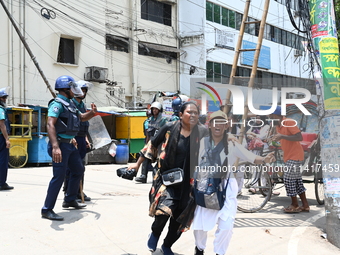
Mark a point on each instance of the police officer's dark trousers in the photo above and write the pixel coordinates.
(81, 144)
(4, 155)
(71, 159)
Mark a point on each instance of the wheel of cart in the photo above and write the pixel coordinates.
(255, 187)
(319, 187)
(21, 133)
(18, 153)
(312, 169)
(314, 165)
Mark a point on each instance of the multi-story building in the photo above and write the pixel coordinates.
(130, 49)
(209, 32)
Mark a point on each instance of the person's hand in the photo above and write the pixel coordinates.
(233, 139)
(88, 144)
(94, 107)
(277, 137)
(74, 142)
(8, 144)
(134, 166)
(270, 158)
(56, 155)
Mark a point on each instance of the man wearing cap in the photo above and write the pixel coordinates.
(218, 152)
(290, 136)
(4, 141)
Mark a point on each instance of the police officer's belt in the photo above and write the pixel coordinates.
(64, 140)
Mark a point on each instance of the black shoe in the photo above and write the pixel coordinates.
(6, 187)
(198, 251)
(51, 215)
(141, 178)
(86, 198)
(74, 204)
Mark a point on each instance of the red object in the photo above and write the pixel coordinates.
(308, 138)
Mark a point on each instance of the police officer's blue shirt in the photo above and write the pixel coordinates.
(2, 115)
(146, 124)
(55, 109)
(78, 104)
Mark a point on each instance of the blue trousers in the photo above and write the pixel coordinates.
(4, 156)
(70, 159)
(81, 141)
(81, 144)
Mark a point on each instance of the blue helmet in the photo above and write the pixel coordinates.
(277, 110)
(3, 92)
(176, 104)
(63, 82)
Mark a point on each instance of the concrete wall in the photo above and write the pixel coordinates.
(87, 22)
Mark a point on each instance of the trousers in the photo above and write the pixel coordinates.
(172, 235)
(4, 157)
(70, 159)
(221, 241)
(81, 144)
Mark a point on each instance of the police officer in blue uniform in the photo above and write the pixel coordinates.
(63, 125)
(81, 138)
(4, 141)
(176, 106)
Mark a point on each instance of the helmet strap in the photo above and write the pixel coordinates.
(67, 92)
(3, 103)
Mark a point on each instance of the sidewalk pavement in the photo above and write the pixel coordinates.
(116, 221)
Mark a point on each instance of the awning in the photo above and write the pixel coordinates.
(109, 110)
(136, 113)
(160, 47)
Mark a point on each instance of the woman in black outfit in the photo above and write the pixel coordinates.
(175, 145)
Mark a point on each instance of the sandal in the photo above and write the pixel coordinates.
(303, 209)
(252, 190)
(275, 193)
(291, 209)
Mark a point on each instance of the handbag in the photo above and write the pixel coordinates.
(173, 176)
(210, 193)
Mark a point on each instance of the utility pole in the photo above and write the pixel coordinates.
(28, 49)
(325, 42)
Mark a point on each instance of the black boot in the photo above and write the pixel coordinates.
(145, 168)
(141, 178)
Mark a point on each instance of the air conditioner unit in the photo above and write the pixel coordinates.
(297, 53)
(95, 73)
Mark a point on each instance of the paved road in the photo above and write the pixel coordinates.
(116, 221)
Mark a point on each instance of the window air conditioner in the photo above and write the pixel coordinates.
(95, 73)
